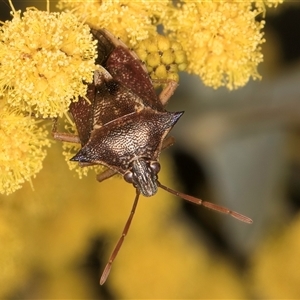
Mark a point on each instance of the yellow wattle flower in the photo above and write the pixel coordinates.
(45, 60)
(23, 145)
(221, 40)
(132, 21)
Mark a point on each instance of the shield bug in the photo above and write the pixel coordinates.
(124, 126)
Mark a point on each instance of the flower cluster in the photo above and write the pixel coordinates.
(221, 40)
(23, 145)
(44, 59)
(163, 58)
(131, 21)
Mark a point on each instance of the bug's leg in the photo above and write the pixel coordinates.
(120, 241)
(168, 142)
(168, 91)
(62, 136)
(85, 164)
(106, 174)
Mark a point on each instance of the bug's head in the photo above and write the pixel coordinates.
(143, 175)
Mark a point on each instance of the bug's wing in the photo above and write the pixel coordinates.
(82, 114)
(126, 68)
(106, 101)
(112, 101)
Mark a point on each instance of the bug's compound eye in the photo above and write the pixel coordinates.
(128, 176)
(155, 167)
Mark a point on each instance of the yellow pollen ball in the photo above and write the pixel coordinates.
(163, 43)
(168, 57)
(161, 71)
(153, 59)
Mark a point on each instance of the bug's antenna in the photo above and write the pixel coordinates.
(207, 204)
(120, 241)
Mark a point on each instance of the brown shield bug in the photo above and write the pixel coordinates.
(124, 126)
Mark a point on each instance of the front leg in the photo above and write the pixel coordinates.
(62, 136)
(168, 91)
(167, 142)
(106, 174)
